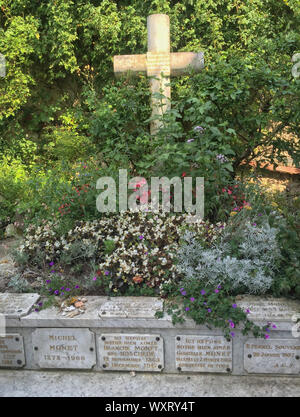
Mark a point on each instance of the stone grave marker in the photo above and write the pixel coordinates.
(131, 352)
(159, 64)
(64, 348)
(203, 353)
(269, 309)
(12, 351)
(278, 356)
(131, 307)
(17, 305)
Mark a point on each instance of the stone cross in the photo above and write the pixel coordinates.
(159, 64)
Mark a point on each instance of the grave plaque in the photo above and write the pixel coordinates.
(277, 356)
(64, 348)
(278, 309)
(131, 307)
(131, 352)
(17, 305)
(11, 351)
(203, 353)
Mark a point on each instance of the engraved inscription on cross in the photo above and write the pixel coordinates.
(159, 64)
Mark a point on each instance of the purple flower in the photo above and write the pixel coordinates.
(192, 299)
(231, 324)
(36, 309)
(76, 286)
(190, 140)
(234, 306)
(199, 129)
(95, 278)
(187, 308)
(219, 287)
(209, 310)
(48, 281)
(52, 272)
(56, 292)
(62, 288)
(259, 214)
(247, 311)
(267, 330)
(105, 273)
(202, 292)
(222, 158)
(141, 237)
(183, 292)
(232, 334)
(274, 326)
(216, 291)
(254, 224)
(51, 263)
(67, 289)
(62, 293)
(205, 303)
(40, 304)
(267, 336)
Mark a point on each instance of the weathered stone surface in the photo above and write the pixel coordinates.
(269, 309)
(280, 356)
(131, 352)
(11, 351)
(181, 62)
(131, 307)
(17, 305)
(132, 63)
(64, 348)
(159, 60)
(203, 353)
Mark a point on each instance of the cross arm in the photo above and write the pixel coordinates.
(181, 62)
(130, 63)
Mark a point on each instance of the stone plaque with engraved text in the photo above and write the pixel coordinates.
(278, 356)
(64, 348)
(203, 353)
(11, 351)
(131, 352)
(133, 307)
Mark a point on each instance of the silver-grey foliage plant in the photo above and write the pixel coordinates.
(251, 267)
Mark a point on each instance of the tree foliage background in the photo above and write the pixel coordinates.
(60, 73)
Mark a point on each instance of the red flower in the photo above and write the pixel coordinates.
(183, 174)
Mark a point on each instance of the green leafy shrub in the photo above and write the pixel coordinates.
(213, 306)
(66, 145)
(13, 187)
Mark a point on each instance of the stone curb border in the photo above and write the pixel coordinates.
(128, 337)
